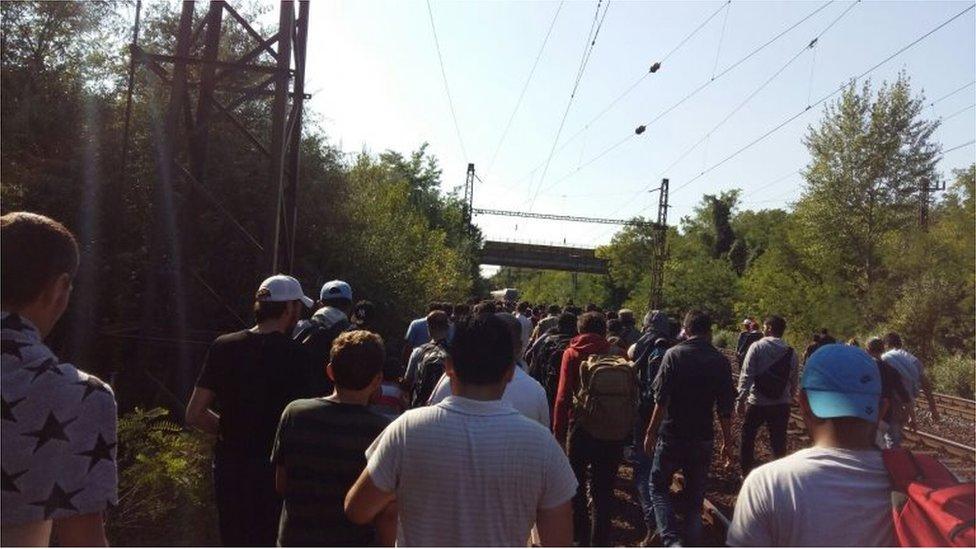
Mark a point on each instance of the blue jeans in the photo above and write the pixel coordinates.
(642, 480)
(692, 457)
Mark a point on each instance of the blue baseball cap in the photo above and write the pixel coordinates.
(334, 289)
(842, 381)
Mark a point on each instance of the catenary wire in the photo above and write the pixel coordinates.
(966, 144)
(447, 88)
(525, 87)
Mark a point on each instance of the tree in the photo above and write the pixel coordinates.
(869, 157)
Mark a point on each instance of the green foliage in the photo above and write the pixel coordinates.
(724, 339)
(553, 287)
(954, 375)
(165, 492)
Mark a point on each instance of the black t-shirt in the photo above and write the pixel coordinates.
(254, 377)
(322, 444)
(694, 380)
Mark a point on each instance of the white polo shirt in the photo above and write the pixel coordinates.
(524, 393)
(469, 473)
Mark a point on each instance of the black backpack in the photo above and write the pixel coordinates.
(547, 362)
(773, 381)
(429, 371)
(317, 341)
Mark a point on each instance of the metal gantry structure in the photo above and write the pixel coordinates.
(515, 254)
(201, 86)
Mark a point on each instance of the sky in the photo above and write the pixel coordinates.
(376, 82)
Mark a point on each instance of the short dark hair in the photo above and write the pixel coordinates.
(614, 326)
(340, 303)
(777, 325)
(592, 323)
(268, 310)
(433, 306)
(554, 310)
(356, 358)
(486, 307)
(482, 350)
(567, 323)
(523, 306)
(893, 340)
(875, 345)
(697, 322)
(437, 320)
(592, 308)
(514, 327)
(38, 249)
(365, 311)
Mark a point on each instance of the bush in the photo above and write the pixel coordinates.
(165, 489)
(724, 339)
(954, 375)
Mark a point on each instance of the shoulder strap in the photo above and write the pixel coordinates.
(902, 467)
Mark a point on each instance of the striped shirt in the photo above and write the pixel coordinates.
(469, 473)
(320, 443)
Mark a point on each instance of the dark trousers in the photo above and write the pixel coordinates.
(595, 461)
(775, 417)
(248, 507)
(642, 480)
(692, 457)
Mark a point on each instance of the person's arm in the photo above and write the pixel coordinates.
(555, 525)
(724, 405)
(386, 525)
(747, 377)
(281, 478)
(87, 530)
(927, 389)
(198, 412)
(564, 395)
(365, 501)
(650, 436)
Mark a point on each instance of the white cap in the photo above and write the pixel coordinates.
(282, 288)
(335, 288)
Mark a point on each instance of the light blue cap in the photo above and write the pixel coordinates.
(334, 289)
(842, 381)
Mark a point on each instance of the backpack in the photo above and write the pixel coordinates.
(429, 372)
(773, 381)
(317, 341)
(547, 363)
(605, 403)
(930, 507)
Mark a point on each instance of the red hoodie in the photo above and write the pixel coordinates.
(579, 348)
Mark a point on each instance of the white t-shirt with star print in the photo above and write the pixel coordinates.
(58, 432)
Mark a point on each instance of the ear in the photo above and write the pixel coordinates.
(58, 292)
(375, 383)
(329, 372)
(509, 373)
(449, 367)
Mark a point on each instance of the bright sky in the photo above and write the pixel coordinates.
(376, 84)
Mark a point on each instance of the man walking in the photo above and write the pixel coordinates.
(318, 451)
(838, 492)
(594, 460)
(59, 423)
(471, 470)
(318, 333)
(693, 383)
(912, 377)
(250, 376)
(767, 385)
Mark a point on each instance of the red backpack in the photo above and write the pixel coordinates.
(931, 508)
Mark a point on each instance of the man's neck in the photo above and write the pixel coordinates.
(828, 437)
(269, 327)
(346, 396)
(478, 392)
(35, 318)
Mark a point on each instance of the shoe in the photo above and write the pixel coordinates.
(650, 540)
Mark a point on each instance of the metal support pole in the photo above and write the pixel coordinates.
(660, 249)
(279, 122)
(469, 194)
(295, 137)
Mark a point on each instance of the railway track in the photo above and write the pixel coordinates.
(953, 406)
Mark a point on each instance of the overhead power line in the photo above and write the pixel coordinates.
(447, 88)
(525, 87)
(950, 94)
(966, 144)
(651, 70)
(694, 92)
(957, 113)
(824, 98)
(584, 61)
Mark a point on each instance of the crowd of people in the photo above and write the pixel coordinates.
(497, 423)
